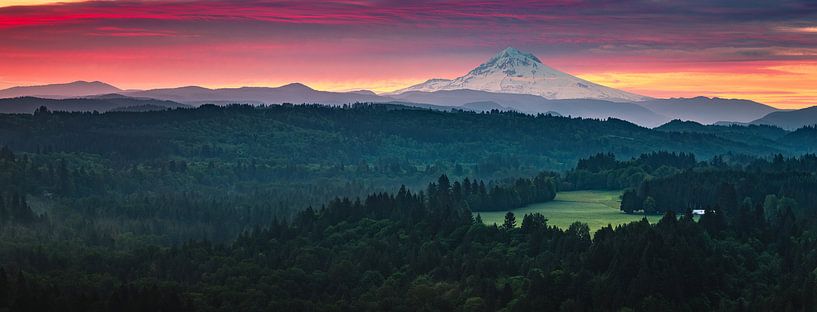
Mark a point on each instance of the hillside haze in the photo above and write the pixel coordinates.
(709, 110)
(790, 119)
(296, 93)
(533, 104)
(71, 89)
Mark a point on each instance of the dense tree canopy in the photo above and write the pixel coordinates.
(376, 207)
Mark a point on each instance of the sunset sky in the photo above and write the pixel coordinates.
(760, 50)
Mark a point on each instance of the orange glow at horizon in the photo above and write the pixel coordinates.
(792, 89)
(781, 86)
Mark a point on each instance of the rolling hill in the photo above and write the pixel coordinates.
(708, 110)
(62, 90)
(27, 105)
(790, 119)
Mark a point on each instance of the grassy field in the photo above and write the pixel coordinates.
(596, 208)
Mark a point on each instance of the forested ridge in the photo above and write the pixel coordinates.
(299, 155)
(376, 207)
(248, 164)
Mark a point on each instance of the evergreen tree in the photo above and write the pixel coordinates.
(510, 221)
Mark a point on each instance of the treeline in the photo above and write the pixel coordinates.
(501, 196)
(790, 180)
(604, 171)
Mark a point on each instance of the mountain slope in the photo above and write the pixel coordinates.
(532, 104)
(709, 110)
(514, 71)
(292, 93)
(62, 90)
(790, 119)
(430, 85)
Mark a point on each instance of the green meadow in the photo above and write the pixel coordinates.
(596, 208)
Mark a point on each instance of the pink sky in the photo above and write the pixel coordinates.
(747, 49)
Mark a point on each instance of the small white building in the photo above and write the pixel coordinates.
(698, 212)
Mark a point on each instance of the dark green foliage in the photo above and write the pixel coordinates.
(804, 138)
(726, 188)
(603, 171)
(749, 134)
(263, 209)
(505, 195)
(510, 221)
(393, 251)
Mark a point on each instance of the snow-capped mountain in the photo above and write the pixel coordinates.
(514, 71)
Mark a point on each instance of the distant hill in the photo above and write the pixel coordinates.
(731, 123)
(751, 134)
(295, 93)
(478, 91)
(708, 110)
(62, 90)
(804, 139)
(790, 119)
(491, 143)
(27, 105)
(525, 103)
(443, 100)
(140, 108)
(483, 106)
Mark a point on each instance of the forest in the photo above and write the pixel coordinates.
(376, 207)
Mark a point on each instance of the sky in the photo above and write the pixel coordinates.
(759, 50)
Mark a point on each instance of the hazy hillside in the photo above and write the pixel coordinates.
(72, 89)
(295, 93)
(790, 119)
(804, 138)
(708, 110)
(27, 105)
(533, 104)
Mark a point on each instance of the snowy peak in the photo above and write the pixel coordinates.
(510, 62)
(515, 71)
(514, 57)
